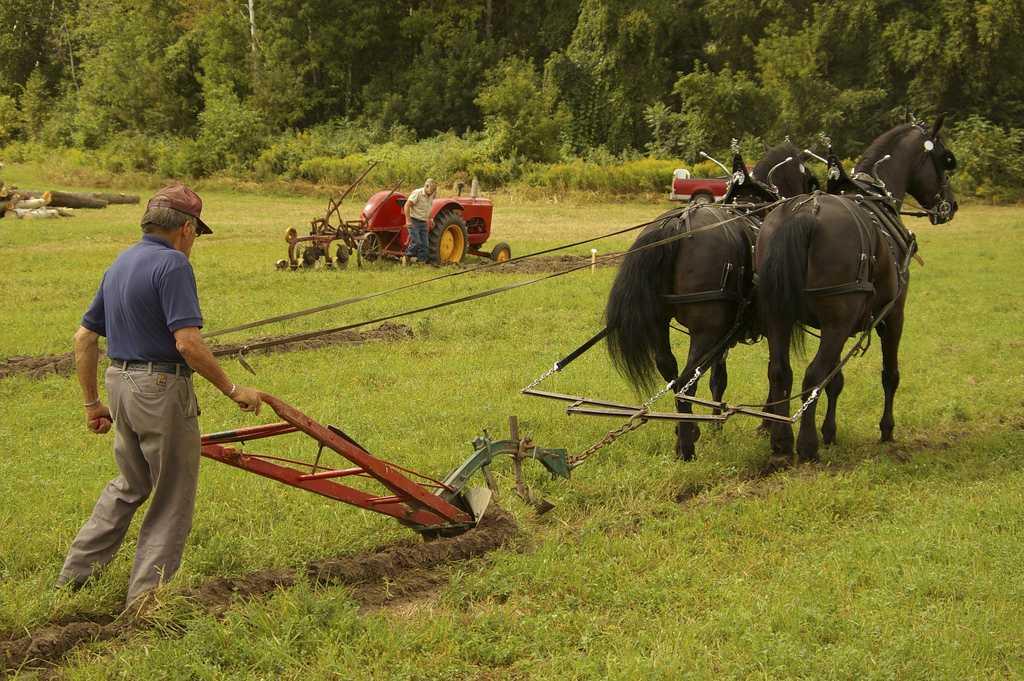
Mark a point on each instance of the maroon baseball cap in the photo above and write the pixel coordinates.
(180, 197)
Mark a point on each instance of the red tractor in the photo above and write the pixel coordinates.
(459, 225)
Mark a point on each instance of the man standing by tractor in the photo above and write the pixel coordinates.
(417, 221)
(147, 307)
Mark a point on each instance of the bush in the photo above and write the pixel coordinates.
(9, 123)
(231, 134)
(990, 159)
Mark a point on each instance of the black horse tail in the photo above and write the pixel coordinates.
(782, 276)
(635, 310)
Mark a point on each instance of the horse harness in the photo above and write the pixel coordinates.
(878, 216)
(748, 226)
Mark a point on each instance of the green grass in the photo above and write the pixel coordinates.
(898, 562)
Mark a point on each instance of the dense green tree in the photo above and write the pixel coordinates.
(436, 89)
(36, 37)
(216, 80)
(610, 71)
(715, 108)
(521, 116)
(139, 69)
(536, 28)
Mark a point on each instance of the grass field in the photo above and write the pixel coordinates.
(897, 562)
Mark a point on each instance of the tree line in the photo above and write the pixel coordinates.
(217, 82)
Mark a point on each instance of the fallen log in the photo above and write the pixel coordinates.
(125, 199)
(68, 199)
(122, 199)
(31, 203)
(34, 214)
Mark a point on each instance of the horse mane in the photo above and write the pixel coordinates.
(773, 157)
(880, 147)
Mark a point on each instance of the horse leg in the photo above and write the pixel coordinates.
(826, 359)
(828, 426)
(890, 333)
(780, 383)
(686, 433)
(718, 380)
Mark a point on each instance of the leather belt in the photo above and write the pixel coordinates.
(150, 367)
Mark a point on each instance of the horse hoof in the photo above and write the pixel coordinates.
(777, 463)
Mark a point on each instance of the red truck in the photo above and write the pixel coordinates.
(698, 189)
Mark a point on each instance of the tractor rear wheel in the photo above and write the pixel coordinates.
(448, 238)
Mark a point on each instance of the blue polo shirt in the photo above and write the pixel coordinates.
(147, 294)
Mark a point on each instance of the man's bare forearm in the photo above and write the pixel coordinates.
(87, 359)
(199, 356)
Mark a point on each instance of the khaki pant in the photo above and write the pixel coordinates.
(156, 446)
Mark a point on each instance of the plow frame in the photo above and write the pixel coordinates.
(426, 505)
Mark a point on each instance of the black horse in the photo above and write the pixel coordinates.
(703, 279)
(840, 263)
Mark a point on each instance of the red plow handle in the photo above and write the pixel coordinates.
(409, 501)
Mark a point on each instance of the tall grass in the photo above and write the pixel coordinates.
(893, 562)
(334, 157)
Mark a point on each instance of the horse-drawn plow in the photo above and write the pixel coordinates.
(431, 507)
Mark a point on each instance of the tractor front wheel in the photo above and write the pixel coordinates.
(501, 252)
(448, 238)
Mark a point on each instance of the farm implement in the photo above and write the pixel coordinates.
(434, 508)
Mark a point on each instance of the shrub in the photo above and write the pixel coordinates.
(990, 159)
(9, 123)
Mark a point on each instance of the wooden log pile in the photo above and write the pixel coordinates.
(22, 203)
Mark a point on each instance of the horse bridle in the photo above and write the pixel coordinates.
(944, 161)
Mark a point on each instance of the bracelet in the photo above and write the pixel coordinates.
(232, 392)
(93, 403)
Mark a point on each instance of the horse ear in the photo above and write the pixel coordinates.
(907, 116)
(765, 144)
(937, 125)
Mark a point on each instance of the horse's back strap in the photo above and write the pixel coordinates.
(702, 297)
(852, 287)
(562, 363)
